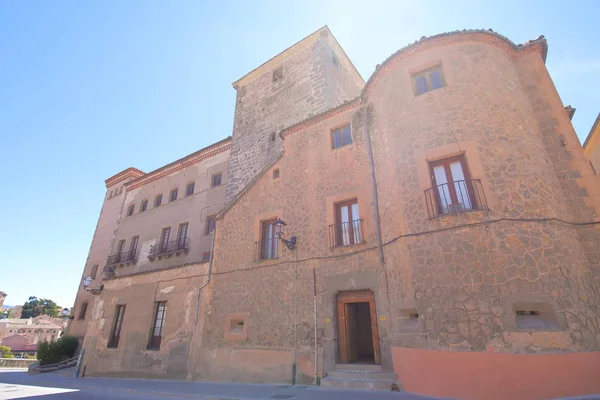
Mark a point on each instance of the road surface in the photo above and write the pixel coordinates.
(17, 384)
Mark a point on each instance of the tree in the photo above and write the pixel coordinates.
(5, 352)
(34, 307)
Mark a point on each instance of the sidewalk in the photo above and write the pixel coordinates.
(199, 390)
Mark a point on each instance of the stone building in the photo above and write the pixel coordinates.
(38, 329)
(434, 228)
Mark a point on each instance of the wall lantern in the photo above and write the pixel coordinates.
(86, 283)
(290, 244)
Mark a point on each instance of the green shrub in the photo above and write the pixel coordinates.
(54, 352)
(5, 352)
(30, 357)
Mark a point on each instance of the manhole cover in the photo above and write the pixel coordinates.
(282, 396)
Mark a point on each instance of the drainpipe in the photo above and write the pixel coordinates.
(315, 312)
(373, 183)
(210, 262)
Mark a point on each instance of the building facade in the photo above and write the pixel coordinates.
(436, 226)
(591, 146)
(38, 329)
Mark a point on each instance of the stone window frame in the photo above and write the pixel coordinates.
(207, 226)
(472, 157)
(425, 72)
(532, 302)
(158, 200)
(213, 180)
(189, 188)
(235, 317)
(278, 75)
(257, 232)
(130, 210)
(82, 310)
(336, 128)
(331, 203)
(173, 194)
(144, 205)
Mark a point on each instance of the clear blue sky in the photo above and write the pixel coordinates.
(88, 88)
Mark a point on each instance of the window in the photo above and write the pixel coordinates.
(276, 173)
(83, 310)
(94, 272)
(278, 74)
(182, 236)
(120, 248)
(173, 195)
(158, 200)
(335, 59)
(452, 186)
(211, 223)
(115, 333)
(341, 137)
(157, 326)
(428, 80)
(131, 210)
(216, 179)
(236, 327)
(189, 189)
(206, 256)
(164, 238)
(144, 206)
(535, 320)
(134, 246)
(348, 227)
(268, 243)
(273, 136)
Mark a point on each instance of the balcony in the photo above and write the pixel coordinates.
(346, 233)
(175, 247)
(266, 249)
(455, 198)
(124, 258)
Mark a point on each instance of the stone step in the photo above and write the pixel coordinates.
(358, 367)
(354, 374)
(365, 384)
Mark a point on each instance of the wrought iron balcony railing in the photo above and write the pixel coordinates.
(175, 246)
(266, 249)
(124, 257)
(455, 197)
(346, 233)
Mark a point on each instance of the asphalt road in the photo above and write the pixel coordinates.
(17, 384)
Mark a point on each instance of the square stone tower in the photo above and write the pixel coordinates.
(310, 77)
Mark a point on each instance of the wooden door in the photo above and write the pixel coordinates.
(346, 316)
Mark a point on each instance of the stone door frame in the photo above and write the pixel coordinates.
(355, 296)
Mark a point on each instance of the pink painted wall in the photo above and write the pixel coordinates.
(485, 375)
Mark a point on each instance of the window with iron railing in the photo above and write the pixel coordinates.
(267, 247)
(453, 190)
(166, 246)
(347, 229)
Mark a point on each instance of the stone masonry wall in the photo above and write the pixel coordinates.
(179, 288)
(467, 273)
(263, 107)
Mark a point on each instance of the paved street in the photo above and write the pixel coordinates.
(17, 384)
